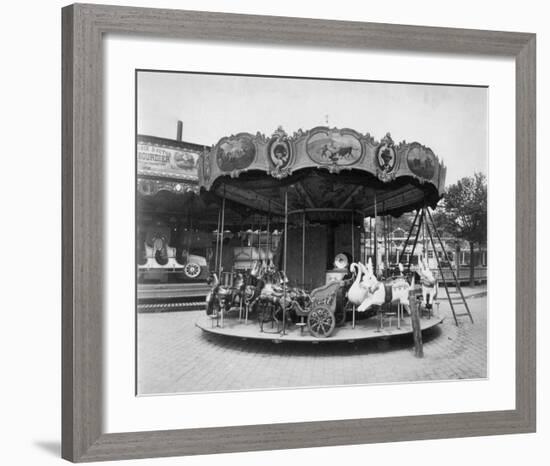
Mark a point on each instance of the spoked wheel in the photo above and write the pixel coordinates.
(321, 322)
(192, 270)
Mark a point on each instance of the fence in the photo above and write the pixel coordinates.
(480, 274)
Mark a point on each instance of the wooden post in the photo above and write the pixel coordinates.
(415, 320)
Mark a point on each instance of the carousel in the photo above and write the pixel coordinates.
(307, 268)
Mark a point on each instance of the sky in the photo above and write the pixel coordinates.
(451, 120)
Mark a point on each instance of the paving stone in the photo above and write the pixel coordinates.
(176, 356)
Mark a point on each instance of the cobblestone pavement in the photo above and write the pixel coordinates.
(175, 356)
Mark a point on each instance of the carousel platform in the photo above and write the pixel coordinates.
(365, 329)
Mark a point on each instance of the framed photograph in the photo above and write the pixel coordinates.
(286, 233)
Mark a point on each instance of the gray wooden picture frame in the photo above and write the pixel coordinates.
(83, 29)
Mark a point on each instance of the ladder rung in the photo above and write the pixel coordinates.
(463, 315)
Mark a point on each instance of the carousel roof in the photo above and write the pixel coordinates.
(323, 170)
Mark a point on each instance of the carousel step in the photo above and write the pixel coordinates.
(171, 307)
(164, 291)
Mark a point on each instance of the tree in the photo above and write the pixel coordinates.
(464, 212)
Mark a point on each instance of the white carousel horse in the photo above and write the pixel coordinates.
(429, 283)
(393, 290)
(357, 291)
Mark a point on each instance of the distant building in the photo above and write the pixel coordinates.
(170, 248)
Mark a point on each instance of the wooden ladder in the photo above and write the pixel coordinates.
(453, 300)
(423, 216)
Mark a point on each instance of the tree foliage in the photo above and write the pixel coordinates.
(464, 212)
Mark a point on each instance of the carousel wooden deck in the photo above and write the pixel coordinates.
(365, 329)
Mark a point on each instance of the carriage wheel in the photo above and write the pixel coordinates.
(321, 322)
(192, 270)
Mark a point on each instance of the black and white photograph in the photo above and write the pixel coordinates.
(268, 233)
(296, 232)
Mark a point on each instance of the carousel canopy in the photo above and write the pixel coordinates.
(326, 172)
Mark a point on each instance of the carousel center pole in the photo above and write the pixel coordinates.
(284, 261)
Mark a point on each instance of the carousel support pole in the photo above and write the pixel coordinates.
(268, 237)
(390, 236)
(352, 260)
(221, 249)
(375, 238)
(386, 262)
(285, 245)
(352, 238)
(217, 241)
(220, 263)
(260, 237)
(304, 250)
(370, 240)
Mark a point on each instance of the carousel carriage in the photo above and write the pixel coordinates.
(320, 310)
(321, 204)
(271, 301)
